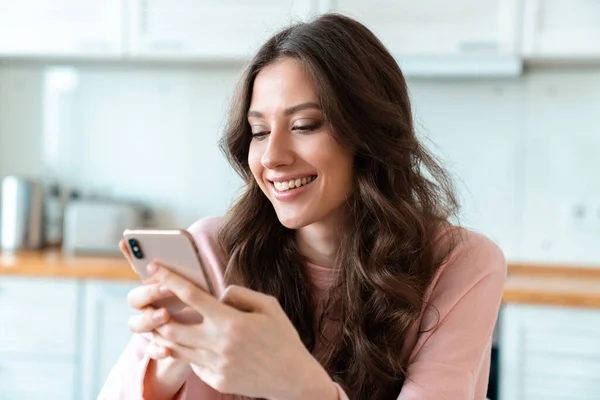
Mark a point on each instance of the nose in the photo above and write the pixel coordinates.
(279, 151)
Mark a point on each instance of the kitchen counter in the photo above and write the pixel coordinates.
(53, 264)
(553, 285)
(538, 284)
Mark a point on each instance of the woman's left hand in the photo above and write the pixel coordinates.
(245, 345)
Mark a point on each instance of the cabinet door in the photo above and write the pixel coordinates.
(36, 380)
(206, 29)
(437, 27)
(61, 28)
(105, 332)
(38, 318)
(561, 29)
(549, 353)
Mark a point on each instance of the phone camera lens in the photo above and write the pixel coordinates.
(136, 249)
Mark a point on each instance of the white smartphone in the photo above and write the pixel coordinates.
(175, 249)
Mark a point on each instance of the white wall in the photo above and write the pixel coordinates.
(524, 149)
(20, 120)
(145, 133)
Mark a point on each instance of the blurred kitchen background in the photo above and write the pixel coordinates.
(110, 113)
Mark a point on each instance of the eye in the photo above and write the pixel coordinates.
(307, 127)
(259, 135)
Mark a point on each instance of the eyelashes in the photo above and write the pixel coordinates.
(306, 128)
(259, 135)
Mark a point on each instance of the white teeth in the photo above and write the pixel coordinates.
(283, 186)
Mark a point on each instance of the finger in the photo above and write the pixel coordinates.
(143, 296)
(189, 293)
(149, 320)
(248, 300)
(195, 336)
(205, 358)
(125, 250)
(157, 352)
(187, 316)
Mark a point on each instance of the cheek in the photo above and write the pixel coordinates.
(341, 168)
(254, 162)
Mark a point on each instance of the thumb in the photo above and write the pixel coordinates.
(248, 300)
(125, 250)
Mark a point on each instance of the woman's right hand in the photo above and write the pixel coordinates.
(164, 375)
(141, 298)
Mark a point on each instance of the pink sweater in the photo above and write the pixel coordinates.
(449, 361)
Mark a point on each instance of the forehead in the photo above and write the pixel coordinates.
(283, 83)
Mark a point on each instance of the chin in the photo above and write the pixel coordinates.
(294, 222)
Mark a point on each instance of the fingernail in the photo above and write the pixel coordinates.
(151, 268)
(157, 315)
(163, 289)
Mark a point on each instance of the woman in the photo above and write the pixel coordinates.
(345, 278)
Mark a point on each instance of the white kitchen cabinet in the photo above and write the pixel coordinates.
(38, 318)
(59, 338)
(208, 30)
(549, 352)
(58, 28)
(39, 321)
(438, 27)
(35, 380)
(560, 29)
(105, 332)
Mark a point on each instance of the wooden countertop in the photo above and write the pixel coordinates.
(537, 284)
(53, 264)
(553, 285)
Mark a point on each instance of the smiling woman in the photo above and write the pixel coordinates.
(338, 272)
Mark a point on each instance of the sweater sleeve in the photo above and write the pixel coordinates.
(451, 357)
(125, 381)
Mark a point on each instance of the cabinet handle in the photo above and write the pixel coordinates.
(478, 47)
(143, 16)
(170, 45)
(94, 46)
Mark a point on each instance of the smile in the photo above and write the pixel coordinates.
(293, 183)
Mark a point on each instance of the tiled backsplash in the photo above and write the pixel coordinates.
(525, 151)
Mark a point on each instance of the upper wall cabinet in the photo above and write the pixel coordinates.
(561, 29)
(440, 37)
(438, 27)
(58, 28)
(206, 29)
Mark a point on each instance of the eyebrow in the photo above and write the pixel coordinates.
(288, 111)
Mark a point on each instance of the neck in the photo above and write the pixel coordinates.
(319, 243)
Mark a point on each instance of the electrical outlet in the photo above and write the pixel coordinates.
(584, 217)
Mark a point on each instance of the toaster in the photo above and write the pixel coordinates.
(96, 226)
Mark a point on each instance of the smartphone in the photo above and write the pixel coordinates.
(174, 249)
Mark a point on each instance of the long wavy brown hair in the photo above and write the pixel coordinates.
(402, 200)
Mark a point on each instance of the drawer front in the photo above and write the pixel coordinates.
(37, 381)
(569, 377)
(549, 353)
(38, 317)
(106, 332)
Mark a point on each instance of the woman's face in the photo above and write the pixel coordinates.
(298, 165)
